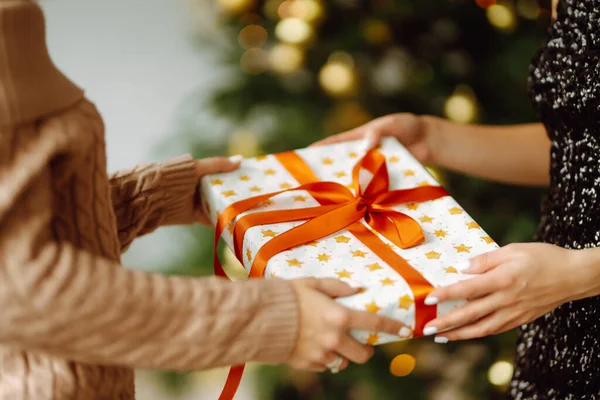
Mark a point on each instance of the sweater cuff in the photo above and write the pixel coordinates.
(278, 327)
(178, 183)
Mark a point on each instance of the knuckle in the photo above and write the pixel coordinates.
(320, 356)
(339, 317)
(507, 281)
(333, 341)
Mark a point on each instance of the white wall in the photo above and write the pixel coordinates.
(136, 62)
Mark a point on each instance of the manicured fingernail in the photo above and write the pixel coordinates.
(334, 370)
(431, 301)
(404, 332)
(431, 330)
(441, 339)
(237, 158)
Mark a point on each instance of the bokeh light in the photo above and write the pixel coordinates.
(461, 106)
(376, 31)
(338, 78)
(307, 10)
(254, 61)
(253, 36)
(485, 3)
(402, 365)
(528, 9)
(236, 6)
(500, 373)
(285, 58)
(293, 31)
(502, 17)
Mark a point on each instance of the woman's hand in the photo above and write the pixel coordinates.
(214, 165)
(324, 326)
(516, 284)
(411, 130)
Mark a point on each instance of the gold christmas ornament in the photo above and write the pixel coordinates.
(285, 58)
(338, 78)
(254, 61)
(236, 7)
(461, 106)
(293, 31)
(502, 17)
(500, 373)
(253, 36)
(243, 142)
(402, 365)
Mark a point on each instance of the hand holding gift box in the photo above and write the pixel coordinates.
(373, 218)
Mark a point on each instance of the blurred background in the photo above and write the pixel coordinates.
(250, 77)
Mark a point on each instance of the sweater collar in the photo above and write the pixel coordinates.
(31, 87)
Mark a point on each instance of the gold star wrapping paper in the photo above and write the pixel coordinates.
(452, 237)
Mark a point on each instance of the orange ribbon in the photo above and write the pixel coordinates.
(340, 209)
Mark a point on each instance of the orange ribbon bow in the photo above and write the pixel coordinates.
(340, 209)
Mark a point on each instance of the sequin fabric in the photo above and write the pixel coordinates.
(558, 355)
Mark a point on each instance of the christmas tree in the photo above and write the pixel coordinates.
(298, 70)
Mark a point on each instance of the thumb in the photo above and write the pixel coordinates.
(372, 136)
(214, 165)
(335, 288)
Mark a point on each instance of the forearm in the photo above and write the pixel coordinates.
(153, 195)
(517, 154)
(76, 306)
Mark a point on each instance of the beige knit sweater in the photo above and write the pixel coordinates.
(73, 322)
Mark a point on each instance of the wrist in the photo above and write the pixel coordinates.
(585, 268)
(432, 130)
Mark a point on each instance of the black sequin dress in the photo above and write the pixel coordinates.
(558, 355)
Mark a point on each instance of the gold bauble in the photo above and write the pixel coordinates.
(338, 79)
(236, 6)
(253, 36)
(243, 142)
(502, 17)
(285, 58)
(254, 61)
(294, 31)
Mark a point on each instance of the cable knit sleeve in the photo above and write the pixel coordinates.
(152, 195)
(62, 300)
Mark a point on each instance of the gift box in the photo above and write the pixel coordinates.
(375, 218)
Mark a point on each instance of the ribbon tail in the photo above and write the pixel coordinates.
(234, 378)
